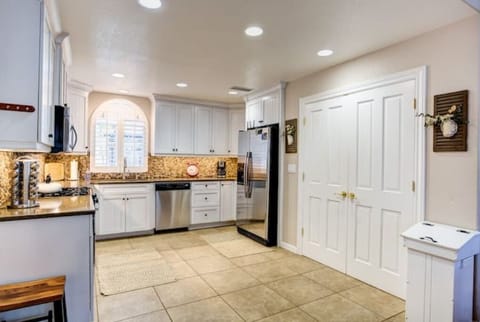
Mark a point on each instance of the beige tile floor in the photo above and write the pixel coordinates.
(223, 276)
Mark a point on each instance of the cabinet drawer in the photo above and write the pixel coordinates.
(211, 185)
(127, 189)
(205, 199)
(205, 215)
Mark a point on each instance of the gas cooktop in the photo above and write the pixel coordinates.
(66, 192)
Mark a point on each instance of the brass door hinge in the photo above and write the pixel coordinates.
(303, 176)
(414, 103)
(304, 121)
(302, 231)
(413, 186)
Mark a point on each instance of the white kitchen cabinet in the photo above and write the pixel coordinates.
(174, 126)
(27, 75)
(77, 100)
(264, 109)
(137, 213)
(236, 124)
(227, 200)
(125, 208)
(211, 130)
(111, 217)
(213, 202)
(254, 113)
(54, 246)
(203, 130)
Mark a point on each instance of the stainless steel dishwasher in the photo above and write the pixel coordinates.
(172, 205)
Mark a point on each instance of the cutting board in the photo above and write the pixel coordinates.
(56, 171)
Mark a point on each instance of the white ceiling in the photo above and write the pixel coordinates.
(201, 42)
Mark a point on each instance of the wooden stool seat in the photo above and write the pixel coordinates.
(24, 294)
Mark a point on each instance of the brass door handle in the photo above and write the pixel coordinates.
(352, 196)
(342, 194)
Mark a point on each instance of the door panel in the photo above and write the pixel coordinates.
(324, 212)
(380, 171)
(363, 144)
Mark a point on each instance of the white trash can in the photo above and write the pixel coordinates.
(440, 272)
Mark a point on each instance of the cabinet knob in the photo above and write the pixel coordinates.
(50, 135)
(173, 149)
(206, 215)
(206, 185)
(260, 121)
(206, 198)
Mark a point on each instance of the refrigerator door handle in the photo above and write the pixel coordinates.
(249, 170)
(245, 175)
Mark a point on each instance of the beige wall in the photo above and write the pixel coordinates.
(95, 99)
(452, 56)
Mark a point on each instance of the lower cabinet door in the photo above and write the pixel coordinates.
(227, 201)
(137, 213)
(111, 216)
(205, 215)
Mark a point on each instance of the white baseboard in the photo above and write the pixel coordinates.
(288, 247)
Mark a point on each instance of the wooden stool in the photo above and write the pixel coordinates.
(21, 295)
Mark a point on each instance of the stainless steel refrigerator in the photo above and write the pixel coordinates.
(257, 183)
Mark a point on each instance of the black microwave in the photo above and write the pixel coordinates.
(65, 135)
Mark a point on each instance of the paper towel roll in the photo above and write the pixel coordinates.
(74, 170)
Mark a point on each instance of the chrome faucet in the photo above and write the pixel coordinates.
(124, 168)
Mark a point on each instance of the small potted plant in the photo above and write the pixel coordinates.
(448, 123)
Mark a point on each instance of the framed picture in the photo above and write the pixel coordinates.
(291, 136)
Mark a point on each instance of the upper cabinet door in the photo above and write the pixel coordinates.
(237, 123)
(27, 59)
(203, 130)
(77, 100)
(165, 128)
(45, 124)
(255, 113)
(184, 129)
(220, 127)
(271, 109)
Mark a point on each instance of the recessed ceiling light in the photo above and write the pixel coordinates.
(150, 4)
(123, 91)
(254, 31)
(182, 85)
(118, 75)
(325, 52)
(233, 92)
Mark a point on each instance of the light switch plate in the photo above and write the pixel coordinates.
(292, 168)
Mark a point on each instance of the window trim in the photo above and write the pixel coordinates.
(120, 138)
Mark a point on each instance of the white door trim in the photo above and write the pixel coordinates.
(419, 75)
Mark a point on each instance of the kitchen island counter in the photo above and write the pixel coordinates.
(52, 207)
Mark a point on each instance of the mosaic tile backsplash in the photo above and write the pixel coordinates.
(159, 167)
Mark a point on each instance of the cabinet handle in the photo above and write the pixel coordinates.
(173, 149)
(50, 135)
(260, 121)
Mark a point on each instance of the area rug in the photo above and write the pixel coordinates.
(128, 271)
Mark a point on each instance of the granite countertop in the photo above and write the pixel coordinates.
(153, 180)
(52, 207)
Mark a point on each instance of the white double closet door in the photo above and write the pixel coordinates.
(359, 152)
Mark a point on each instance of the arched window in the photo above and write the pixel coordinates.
(118, 138)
